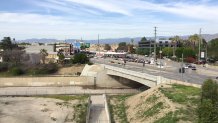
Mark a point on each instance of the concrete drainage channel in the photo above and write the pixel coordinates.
(98, 110)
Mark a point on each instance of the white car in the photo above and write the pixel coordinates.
(160, 66)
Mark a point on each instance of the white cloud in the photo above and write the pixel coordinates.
(127, 7)
(31, 18)
(87, 18)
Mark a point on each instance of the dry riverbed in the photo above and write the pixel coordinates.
(49, 109)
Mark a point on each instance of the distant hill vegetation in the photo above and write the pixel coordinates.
(207, 37)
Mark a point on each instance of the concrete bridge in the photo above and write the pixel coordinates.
(111, 76)
(143, 78)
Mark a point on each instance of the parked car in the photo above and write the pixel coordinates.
(147, 62)
(193, 68)
(141, 61)
(186, 66)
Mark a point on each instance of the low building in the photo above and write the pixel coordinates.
(1, 58)
(146, 44)
(66, 47)
(160, 43)
(34, 53)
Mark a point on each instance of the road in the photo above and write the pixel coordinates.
(170, 71)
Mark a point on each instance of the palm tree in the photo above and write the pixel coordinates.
(44, 53)
(174, 42)
(194, 39)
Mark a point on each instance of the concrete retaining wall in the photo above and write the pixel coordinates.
(107, 108)
(45, 81)
(88, 110)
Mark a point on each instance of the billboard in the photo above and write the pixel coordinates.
(202, 54)
(77, 45)
(87, 45)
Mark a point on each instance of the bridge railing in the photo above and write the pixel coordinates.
(133, 73)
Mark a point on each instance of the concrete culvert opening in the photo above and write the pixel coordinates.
(127, 83)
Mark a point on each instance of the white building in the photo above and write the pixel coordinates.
(1, 58)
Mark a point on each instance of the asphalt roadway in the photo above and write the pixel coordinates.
(170, 71)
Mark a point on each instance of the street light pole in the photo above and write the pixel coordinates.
(199, 46)
(98, 45)
(182, 67)
(155, 38)
(160, 59)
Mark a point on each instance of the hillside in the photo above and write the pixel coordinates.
(207, 37)
(163, 104)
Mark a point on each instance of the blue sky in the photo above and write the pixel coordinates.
(64, 19)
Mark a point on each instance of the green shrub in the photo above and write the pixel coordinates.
(16, 71)
(80, 58)
(44, 69)
(3, 67)
(90, 63)
(208, 107)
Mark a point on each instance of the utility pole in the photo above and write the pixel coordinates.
(160, 52)
(199, 46)
(182, 67)
(98, 46)
(150, 49)
(206, 53)
(155, 38)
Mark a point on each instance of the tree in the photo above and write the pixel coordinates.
(213, 48)
(210, 90)
(132, 41)
(107, 47)
(122, 46)
(187, 52)
(83, 47)
(142, 51)
(175, 42)
(11, 52)
(80, 58)
(131, 48)
(194, 39)
(13, 56)
(168, 51)
(143, 39)
(61, 56)
(6, 44)
(43, 53)
(208, 107)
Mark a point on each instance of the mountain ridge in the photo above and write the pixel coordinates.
(207, 37)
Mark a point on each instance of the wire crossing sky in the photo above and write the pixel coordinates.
(62, 19)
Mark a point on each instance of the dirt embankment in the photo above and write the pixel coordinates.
(73, 70)
(41, 110)
(165, 103)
